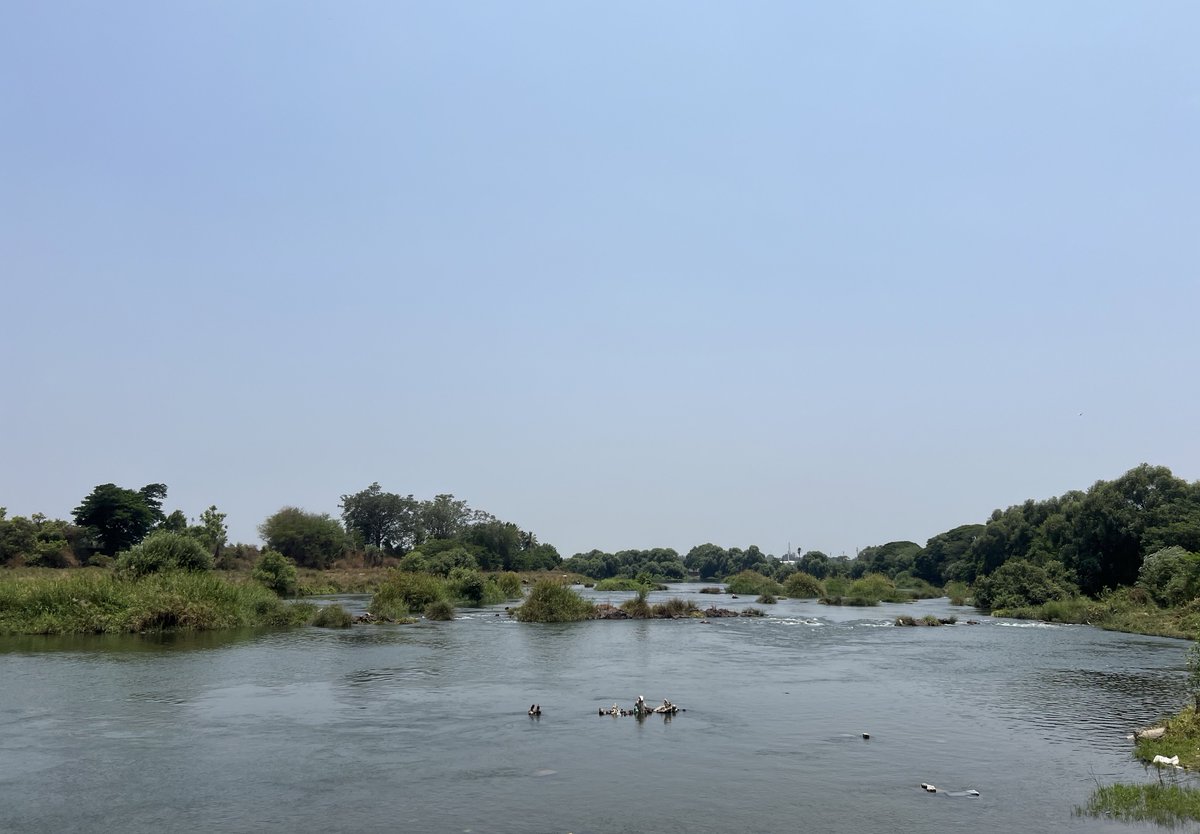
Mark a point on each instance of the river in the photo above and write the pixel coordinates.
(423, 728)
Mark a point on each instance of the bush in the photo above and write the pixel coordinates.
(164, 551)
(403, 592)
(872, 589)
(550, 602)
(277, 572)
(1171, 576)
(675, 608)
(467, 585)
(1019, 584)
(332, 616)
(752, 582)
(802, 585)
(766, 599)
(509, 585)
(957, 591)
(439, 610)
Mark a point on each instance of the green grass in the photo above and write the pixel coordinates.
(98, 602)
(1166, 805)
(333, 616)
(1182, 739)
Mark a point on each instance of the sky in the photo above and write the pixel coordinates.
(627, 274)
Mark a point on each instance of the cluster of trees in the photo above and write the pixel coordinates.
(1141, 529)
(109, 520)
(437, 534)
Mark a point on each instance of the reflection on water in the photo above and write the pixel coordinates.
(424, 727)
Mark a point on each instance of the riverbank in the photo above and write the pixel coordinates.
(1126, 610)
(99, 602)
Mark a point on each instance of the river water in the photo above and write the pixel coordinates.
(423, 728)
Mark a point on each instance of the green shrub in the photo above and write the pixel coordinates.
(164, 550)
(638, 608)
(402, 593)
(766, 599)
(1171, 576)
(468, 585)
(752, 582)
(277, 572)
(801, 585)
(871, 590)
(1019, 583)
(439, 610)
(332, 616)
(509, 584)
(675, 608)
(550, 602)
(957, 591)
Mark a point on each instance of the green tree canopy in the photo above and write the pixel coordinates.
(120, 518)
(311, 540)
(383, 519)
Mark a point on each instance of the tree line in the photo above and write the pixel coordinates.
(434, 535)
(1142, 528)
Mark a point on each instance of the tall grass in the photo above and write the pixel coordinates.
(102, 603)
(551, 602)
(403, 593)
(1166, 805)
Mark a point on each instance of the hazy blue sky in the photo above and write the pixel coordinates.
(627, 274)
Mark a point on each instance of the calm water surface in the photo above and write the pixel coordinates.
(423, 728)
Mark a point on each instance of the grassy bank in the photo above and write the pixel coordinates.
(1166, 805)
(1123, 610)
(98, 602)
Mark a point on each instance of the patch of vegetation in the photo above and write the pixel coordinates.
(619, 583)
(439, 610)
(801, 585)
(277, 572)
(98, 602)
(333, 616)
(1166, 805)
(509, 585)
(676, 608)
(766, 599)
(552, 602)
(164, 550)
(403, 593)
(712, 589)
(752, 582)
(958, 592)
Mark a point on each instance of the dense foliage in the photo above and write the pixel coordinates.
(164, 550)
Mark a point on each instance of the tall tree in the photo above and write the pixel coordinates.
(311, 540)
(444, 517)
(383, 519)
(120, 518)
